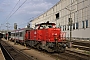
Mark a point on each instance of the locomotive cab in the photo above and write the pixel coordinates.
(50, 37)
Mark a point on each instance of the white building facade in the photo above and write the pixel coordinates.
(78, 10)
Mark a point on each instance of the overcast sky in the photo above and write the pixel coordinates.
(29, 10)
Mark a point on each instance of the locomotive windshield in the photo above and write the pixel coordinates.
(45, 26)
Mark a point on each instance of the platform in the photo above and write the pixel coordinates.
(1, 55)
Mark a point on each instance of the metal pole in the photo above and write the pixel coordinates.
(70, 24)
(70, 32)
(7, 33)
(0, 28)
(15, 37)
(70, 27)
(15, 28)
(7, 30)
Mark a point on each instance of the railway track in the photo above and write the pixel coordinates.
(68, 55)
(73, 53)
(11, 53)
(82, 45)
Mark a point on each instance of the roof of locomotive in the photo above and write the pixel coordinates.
(46, 24)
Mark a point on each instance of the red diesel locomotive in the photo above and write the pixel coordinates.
(46, 37)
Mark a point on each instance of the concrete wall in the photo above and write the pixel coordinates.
(80, 11)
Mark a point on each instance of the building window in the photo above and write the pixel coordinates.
(57, 16)
(68, 27)
(82, 24)
(86, 23)
(73, 26)
(16, 34)
(77, 25)
(20, 34)
(63, 28)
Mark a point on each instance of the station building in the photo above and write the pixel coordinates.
(78, 10)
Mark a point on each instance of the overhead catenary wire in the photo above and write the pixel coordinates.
(10, 15)
(13, 9)
(17, 9)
